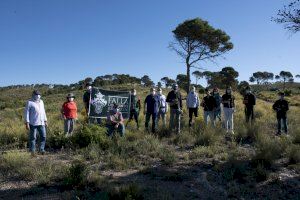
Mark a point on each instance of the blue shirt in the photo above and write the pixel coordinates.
(34, 113)
(152, 103)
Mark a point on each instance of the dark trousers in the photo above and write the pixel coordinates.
(249, 113)
(192, 111)
(134, 115)
(154, 121)
(281, 119)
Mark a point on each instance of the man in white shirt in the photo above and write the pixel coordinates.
(163, 107)
(36, 121)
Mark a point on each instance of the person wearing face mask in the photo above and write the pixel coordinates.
(86, 102)
(163, 107)
(281, 106)
(69, 114)
(175, 101)
(135, 108)
(115, 121)
(229, 108)
(192, 104)
(36, 121)
(218, 99)
(87, 97)
(249, 102)
(209, 105)
(151, 108)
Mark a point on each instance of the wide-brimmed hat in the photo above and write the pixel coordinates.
(70, 95)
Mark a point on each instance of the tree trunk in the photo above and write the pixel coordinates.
(188, 69)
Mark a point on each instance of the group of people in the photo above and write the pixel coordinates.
(156, 107)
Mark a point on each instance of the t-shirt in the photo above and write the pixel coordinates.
(113, 117)
(228, 101)
(135, 103)
(152, 102)
(70, 110)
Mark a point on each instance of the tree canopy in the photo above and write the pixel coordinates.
(196, 40)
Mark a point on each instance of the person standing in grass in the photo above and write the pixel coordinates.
(36, 121)
(209, 105)
(151, 108)
(163, 107)
(229, 108)
(281, 106)
(249, 102)
(87, 100)
(175, 101)
(69, 114)
(135, 107)
(115, 121)
(218, 99)
(192, 104)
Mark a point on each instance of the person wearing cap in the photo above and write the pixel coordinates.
(218, 99)
(249, 102)
(115, 121)
(163, 107)
(228, 108)
(135, 107)
(281, 106)
(192, 104)
(175, 101)
(69, 114)
(151, 108)
(36, 121)
(209, 105)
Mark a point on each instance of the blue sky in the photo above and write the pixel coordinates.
(64, 41)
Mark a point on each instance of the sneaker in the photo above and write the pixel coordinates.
(43, 152)
(278, 134)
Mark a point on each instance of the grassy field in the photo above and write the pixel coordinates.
(200, 163)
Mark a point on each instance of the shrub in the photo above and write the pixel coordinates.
(207, 137)
(268, 149)
(294, 154)
(76, 174)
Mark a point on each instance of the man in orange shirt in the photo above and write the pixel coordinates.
(69, 114)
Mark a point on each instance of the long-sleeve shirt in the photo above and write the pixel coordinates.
(114, 118)
(34, 113)
(174, 99)
(281, 107)
(192, 100)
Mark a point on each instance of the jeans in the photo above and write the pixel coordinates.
(249, 113)
(228, 118)
(69, 126)
(280, 121)
(111, 129)
(175, 116)
(32, 137)
(154, 121)
(162, 115)
(211, 116)
(217, 113)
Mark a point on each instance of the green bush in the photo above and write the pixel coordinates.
(269, 149)
(76, 175)
(294, 153)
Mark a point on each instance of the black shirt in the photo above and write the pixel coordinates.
(174, 99)
(209, 103)
(249, 100)
(281, 107)
(228, 101)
